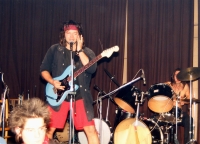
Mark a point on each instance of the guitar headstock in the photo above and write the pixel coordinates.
(108, 52)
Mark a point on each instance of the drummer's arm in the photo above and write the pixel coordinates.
(187, 92)
(168, 83)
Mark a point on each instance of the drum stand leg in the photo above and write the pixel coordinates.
(175, 135)
(191, 134)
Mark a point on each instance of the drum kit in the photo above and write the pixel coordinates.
(130, 127)
(162, 128)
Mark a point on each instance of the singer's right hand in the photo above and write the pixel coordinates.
(57, 85)
(79, 43)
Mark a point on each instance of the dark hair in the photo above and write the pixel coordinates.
(172, 75)
(62, 32)
(32, 108)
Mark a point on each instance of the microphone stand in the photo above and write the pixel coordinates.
(137, 102)
(100, 124)
(72, 93)
(114, 91)
(3, 108)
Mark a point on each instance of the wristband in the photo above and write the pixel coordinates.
(81, 50)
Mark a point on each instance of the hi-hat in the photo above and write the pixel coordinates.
(191, 73)
(193, 100)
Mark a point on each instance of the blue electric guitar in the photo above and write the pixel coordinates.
(54, 96)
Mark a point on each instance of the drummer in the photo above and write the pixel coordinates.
(181, 91)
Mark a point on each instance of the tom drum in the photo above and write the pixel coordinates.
(160, 98)
(126, 97)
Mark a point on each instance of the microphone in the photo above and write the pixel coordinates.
(143, 77)
(99, 90)
(71, 45)
(112, 78)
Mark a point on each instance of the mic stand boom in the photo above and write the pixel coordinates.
(114, 91)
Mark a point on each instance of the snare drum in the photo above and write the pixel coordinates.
(126, 97)
(64, 135)
(103, 130)
(146, 132)
(170, 117)
(160, 98)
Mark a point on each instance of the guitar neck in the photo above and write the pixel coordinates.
(81, 70)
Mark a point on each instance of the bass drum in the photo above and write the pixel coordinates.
(103, 131)
(146, 132)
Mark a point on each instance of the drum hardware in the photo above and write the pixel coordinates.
(170, 117)
(112, 78)
(176, 135)
(190, 74)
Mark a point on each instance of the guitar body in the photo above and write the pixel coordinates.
(52, 96)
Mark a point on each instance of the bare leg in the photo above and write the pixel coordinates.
(50, 132)
(91, 134)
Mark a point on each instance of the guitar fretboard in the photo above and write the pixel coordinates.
(81, 70)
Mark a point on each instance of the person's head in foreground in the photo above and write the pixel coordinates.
(29, 121)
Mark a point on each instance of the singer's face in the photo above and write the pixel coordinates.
(71, 35)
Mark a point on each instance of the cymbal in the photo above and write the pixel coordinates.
(191, 73)
(193, 100)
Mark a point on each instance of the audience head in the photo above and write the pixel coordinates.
(29, 121)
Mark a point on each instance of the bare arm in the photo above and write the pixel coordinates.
(187, 91)
(47, 76)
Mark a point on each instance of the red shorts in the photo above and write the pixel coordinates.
(58, 118)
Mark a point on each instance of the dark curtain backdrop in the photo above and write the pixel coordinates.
(160, 39)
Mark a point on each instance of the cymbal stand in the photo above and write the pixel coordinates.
(190, 116)
(194, 123)
(176, 117)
